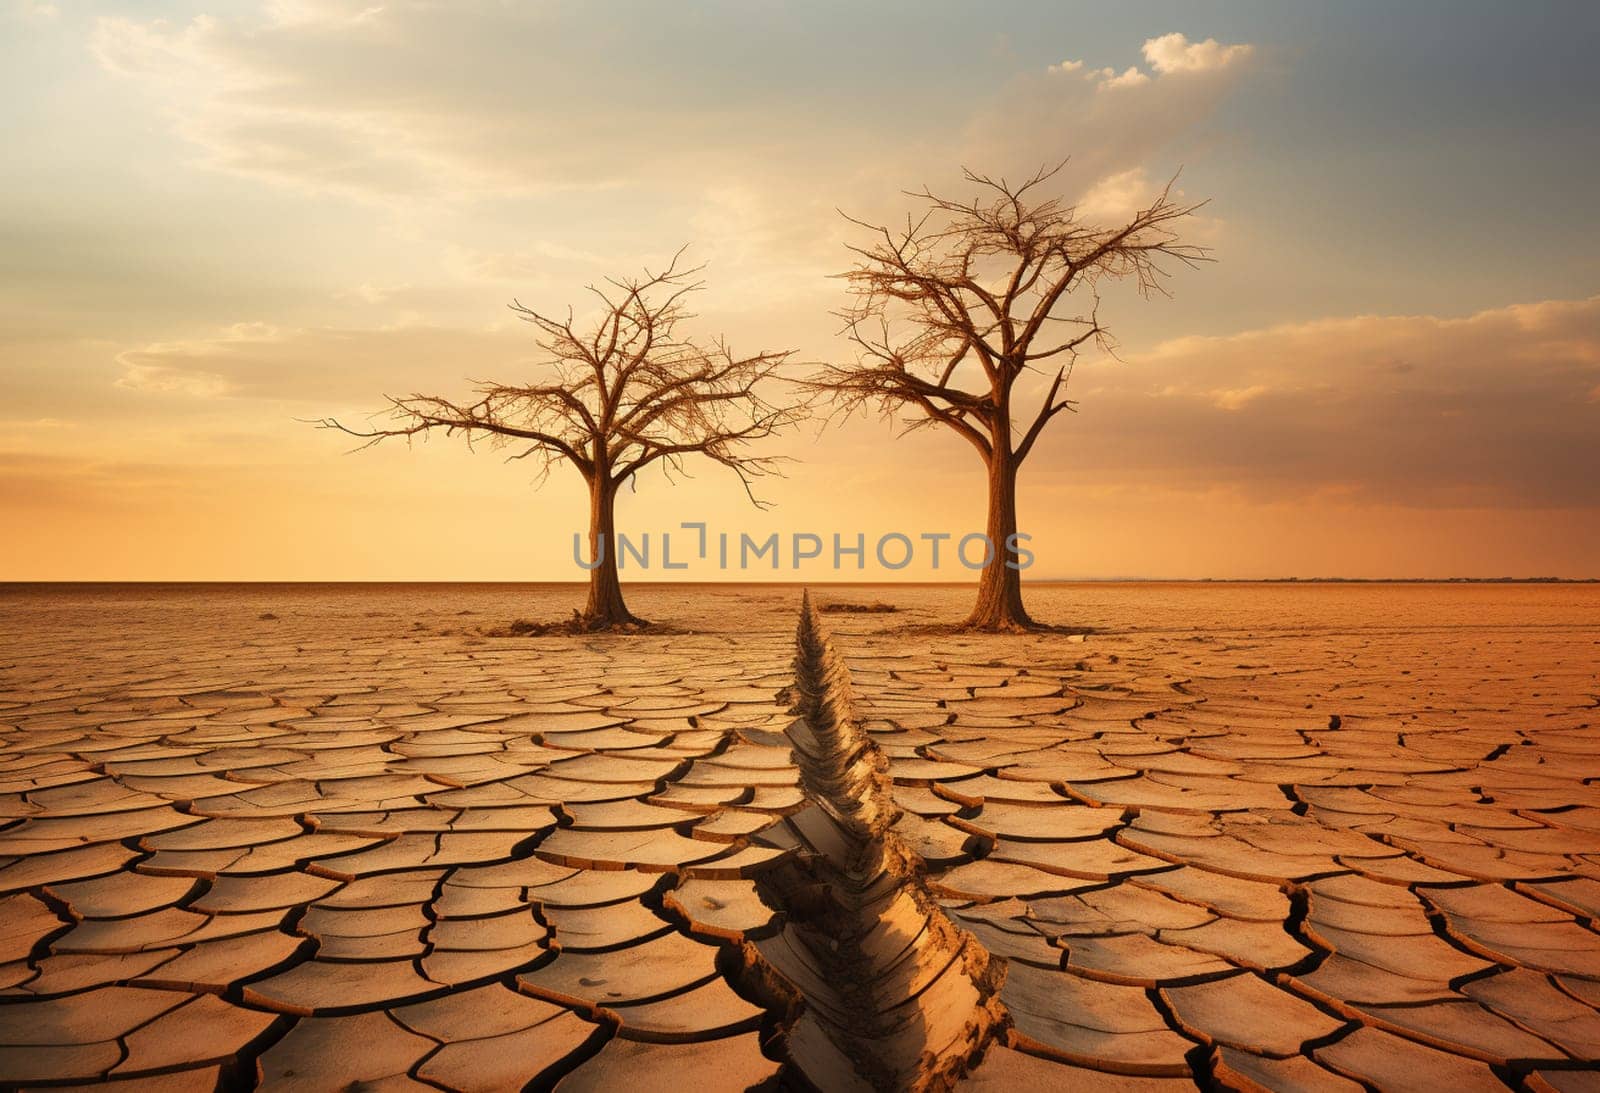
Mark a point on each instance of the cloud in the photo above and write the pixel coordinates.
(1114, 123)
(1236, 398)
(36, 480)
(1495, 409)
(155, 49)
(325, 12)
(1117, 196)
(1170, 53)
(69, 482)
(1129, 77)
(533, 261)
(591, 141)
(446, 102)
(534, 149)
(368, 293)
(417, 101)
(330, 366)
(1175, 53)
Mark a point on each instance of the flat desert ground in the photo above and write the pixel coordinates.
(1287, 837)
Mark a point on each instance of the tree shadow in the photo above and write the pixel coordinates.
(577, 626)
(961, 629)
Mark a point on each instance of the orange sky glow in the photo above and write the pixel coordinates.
(222, 224)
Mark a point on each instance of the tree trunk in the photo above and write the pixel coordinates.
(999, 604)
(605, 607)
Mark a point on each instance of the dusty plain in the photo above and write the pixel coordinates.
(1280, 837)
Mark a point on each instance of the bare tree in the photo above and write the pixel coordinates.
(950, 313)
(622, 394)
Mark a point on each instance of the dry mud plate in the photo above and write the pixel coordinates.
(1260, 838)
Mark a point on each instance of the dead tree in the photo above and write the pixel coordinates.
(621, 394)
(948, 315)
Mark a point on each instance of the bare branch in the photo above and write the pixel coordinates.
(627, 392)
(947, 314)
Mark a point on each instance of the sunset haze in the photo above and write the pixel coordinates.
(220, 223)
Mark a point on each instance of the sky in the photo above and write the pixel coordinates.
(219, 221)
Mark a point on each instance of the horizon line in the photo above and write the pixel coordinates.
(580, 583)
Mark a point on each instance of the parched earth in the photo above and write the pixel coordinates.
(1247, 837)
